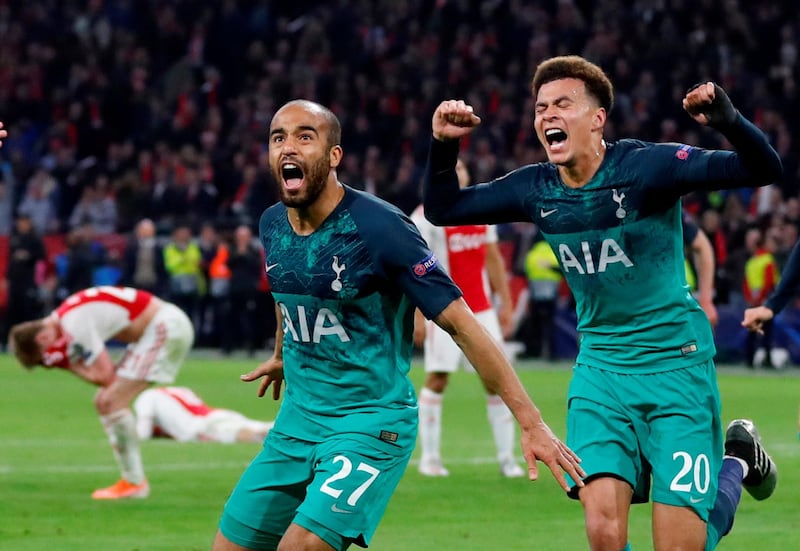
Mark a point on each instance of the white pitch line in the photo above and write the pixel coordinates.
(791, 449)
(176, 467)
(50, 442)
(179, 467)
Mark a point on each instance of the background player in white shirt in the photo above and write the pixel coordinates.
(470, 255)
(179, 413)
(74, 336)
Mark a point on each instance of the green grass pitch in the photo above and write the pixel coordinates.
(53, 453)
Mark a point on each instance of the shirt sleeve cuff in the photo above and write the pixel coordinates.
(444, 154)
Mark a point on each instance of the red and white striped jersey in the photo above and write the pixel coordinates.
(187, 399)
(93, 316)
(461, 251)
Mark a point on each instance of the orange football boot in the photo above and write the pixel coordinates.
(123, 489)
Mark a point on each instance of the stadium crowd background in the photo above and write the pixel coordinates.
(120, 110)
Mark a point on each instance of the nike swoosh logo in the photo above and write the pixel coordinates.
(335, 509)
(545, 213)
(695, 499)
(270, 266)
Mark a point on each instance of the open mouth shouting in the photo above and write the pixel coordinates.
(556, 139)
(292, 175)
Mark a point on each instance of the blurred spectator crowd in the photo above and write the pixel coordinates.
(124, 110)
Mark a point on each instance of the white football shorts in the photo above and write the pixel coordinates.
(443, 355)
(158, 355)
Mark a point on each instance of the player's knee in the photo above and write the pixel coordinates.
(437, 382)
(104, 403)
(101, 403)
(605, 533)
(297, 537)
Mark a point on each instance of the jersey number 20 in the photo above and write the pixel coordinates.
(700, 475)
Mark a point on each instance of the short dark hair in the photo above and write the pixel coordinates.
(22, 338)
(334, 126)
(597, 82)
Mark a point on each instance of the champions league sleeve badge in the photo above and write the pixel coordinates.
(425, 266)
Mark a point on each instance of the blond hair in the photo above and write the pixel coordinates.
(22, 339)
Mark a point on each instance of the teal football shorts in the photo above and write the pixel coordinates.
(662, 426)
(338, 489)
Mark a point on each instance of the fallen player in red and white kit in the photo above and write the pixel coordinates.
(177, 412)
(74, 336)
(471, 256)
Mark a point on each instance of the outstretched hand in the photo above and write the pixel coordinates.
(3, 134)
(453, 119)
(755, 318)
(272, 371)
(541, 444)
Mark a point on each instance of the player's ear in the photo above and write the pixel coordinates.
(599, 118)
(335, 155)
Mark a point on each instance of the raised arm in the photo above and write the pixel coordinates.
(754, 163)
(445, 203)
(483, 352)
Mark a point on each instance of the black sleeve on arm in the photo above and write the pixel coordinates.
(446, 204)
(440, 182)
(790, 280)
(756, 163)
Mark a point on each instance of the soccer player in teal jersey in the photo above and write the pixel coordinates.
(755, 318)
(347, 270)
(643, 404)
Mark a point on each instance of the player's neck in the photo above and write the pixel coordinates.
(306, 220)
(51, 324)
(585, 166)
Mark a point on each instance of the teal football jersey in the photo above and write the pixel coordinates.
(618, 240)
(620, 246)
(347, 294)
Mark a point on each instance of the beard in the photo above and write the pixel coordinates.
(315, 176)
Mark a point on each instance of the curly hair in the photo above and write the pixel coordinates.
(597, 82)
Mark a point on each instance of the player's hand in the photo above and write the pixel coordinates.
(3, 134)
(539, 443)
(711, 311)
(708, 104)
(453, 119)
(755, 318)
(505, 315)
(272, 371)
